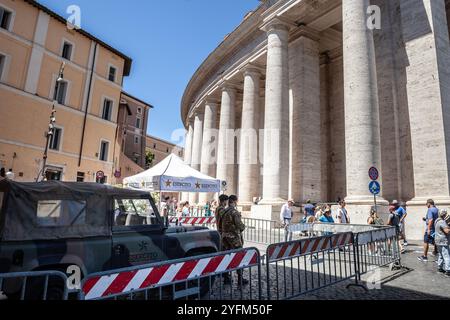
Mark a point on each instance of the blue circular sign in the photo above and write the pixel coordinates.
(374, 187)
(373, 173)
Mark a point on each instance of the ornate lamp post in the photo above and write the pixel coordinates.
(51, 126)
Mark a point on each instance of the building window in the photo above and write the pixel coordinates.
(139, 110)
(107, 109)
(53, 174)
(154, 146)
(104, 151)
(112, 74)
(136, 139)
(102, 180)
(5, 18)
(80, 176)
(55, 139)
(67, 50)
(61, 92)
(138, 123)
(2, 65)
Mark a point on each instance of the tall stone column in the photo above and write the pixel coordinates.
(209, 146)
(304, 74)
(188, 152)
(248, 155)
(426, 38)
(197, 149)
(276, 131)
(362, 133)
(226, 145)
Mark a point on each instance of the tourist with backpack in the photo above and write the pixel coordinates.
(394, 221)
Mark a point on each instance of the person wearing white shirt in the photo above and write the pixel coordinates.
(286, 216)
(342, 216)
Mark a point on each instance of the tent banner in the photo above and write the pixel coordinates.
(173, 184)
(189, 185)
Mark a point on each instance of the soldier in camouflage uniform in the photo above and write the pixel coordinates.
(232, 228)
(223, 202)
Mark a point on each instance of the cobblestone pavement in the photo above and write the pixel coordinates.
(417, 281)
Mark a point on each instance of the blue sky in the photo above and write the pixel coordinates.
(167, 40)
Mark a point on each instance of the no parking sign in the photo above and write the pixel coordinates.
(374, 174)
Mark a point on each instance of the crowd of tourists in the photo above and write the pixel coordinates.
(436, 235)
(437, 225)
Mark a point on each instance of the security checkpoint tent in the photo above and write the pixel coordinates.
(173, 175)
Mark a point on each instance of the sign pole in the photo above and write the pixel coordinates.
(375, 202)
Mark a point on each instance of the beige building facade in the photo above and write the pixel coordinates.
(303, 97)
(162, 149)
(131, 134)
(34, 42)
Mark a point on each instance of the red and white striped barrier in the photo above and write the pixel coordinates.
(101, 286)
(194, 220)
(302, 247)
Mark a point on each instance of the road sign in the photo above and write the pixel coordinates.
(374, 174)
(100, 174)
(374, 188)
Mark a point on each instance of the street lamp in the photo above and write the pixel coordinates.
(51, 126)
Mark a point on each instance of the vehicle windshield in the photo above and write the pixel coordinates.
(133, 212)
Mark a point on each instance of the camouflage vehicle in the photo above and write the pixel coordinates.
(54, 225)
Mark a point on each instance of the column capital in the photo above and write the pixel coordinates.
(252, 69)
(278, 23)
(229, 86)
(212, 101)
(304, 31)
(200, 111)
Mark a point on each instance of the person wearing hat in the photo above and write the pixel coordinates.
(286, 216)
(326, 217)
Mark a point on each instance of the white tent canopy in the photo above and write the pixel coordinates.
(173, 175)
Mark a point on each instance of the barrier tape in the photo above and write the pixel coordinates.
(146, 278)
(193, 220)
(306, 246)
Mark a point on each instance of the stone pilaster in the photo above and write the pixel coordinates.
(225, 151)
(248, 155)
(304, 81)
(362, 129)
(426, 38)
(197, 148)
(209, 145)
(276, 128)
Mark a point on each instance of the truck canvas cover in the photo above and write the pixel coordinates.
(58, 210)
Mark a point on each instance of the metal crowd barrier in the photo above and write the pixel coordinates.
(34, 285)
(377, 248)
(203, 221)
(263, 231)
(200, 277)
(299, 267)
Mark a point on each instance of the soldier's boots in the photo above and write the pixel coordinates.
(226, 278)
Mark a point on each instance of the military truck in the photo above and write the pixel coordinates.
(55, 225)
